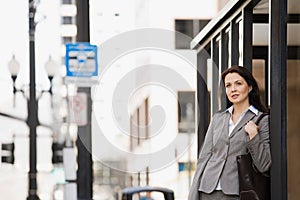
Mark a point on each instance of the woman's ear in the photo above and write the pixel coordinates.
(250, 89)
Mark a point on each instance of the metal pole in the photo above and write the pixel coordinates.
(84, 144)
(278, 98)
(32, 120)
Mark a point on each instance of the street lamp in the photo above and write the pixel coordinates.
(32, 119)
(51, 69)
(14, 68)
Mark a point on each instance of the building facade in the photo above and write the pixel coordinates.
(137, 139)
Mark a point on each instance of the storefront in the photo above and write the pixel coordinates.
(264, 37)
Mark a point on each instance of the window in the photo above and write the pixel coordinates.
(67, 20)
(186, 111)
(67, 40)
(189, 28)
(67, 1)
(139, 125)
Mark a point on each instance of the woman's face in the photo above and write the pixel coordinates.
(237, 89)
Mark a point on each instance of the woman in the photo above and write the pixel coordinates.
(231, 133)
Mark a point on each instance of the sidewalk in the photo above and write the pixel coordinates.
(13, 183)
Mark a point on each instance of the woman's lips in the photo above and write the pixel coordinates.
(234, 96)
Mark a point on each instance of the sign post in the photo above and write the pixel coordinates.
(81, 70)
(84, 139)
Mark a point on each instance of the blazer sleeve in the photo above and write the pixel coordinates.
(259, 146)
(204, 156)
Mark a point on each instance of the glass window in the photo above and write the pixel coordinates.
(293, 126)
(67, 1)
(293, 99)
(67, 20)
(189, 28)
(66, 40)
(134, 132)
(186, 111)
(139, 125)
(258, 70)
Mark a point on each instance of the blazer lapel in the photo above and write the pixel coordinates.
(222, 127)
(247, 117)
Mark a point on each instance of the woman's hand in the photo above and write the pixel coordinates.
(252, 129)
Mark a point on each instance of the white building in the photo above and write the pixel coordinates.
(145, 53)
(145, 69)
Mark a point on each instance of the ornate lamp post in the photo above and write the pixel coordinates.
(32, 122)
(32, 119)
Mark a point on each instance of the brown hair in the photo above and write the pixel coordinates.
(254, 95)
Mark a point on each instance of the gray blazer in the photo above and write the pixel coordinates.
(217, 159)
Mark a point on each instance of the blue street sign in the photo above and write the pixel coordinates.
(81, 59)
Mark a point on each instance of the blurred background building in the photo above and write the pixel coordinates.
(135, 127)
(56, 26)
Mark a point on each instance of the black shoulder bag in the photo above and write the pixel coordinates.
(253, 185)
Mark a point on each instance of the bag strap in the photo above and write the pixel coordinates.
(260, 117)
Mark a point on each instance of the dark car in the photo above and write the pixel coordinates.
(128, 193)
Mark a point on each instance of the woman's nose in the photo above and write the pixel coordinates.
(233, 88)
